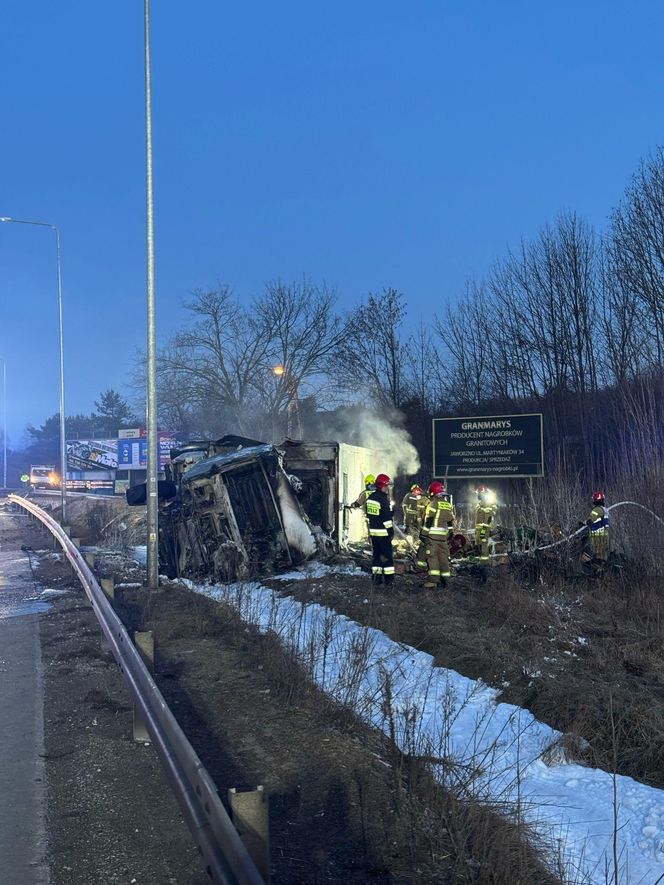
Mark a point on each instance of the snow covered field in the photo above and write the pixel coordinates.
(494, 751)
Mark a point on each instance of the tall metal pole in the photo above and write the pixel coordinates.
(153, 464)
(63, 440)
(63, 446)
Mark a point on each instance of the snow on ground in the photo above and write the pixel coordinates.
(314, 570)
(140, 554)
(494, 751)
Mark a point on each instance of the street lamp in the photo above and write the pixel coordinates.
(293, 406)
(152, 477)
(63, 448)
(4, 423)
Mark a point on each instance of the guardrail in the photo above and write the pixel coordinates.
(226, 858)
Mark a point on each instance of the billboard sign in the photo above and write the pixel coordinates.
(133, 453)
(92, 454)
(488, 446)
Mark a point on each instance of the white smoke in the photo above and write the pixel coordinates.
(362, 427)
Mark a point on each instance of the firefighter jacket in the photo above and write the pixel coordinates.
(379, 514)
(438, 517)
(411, 505)
(485, 513)
(361, 499)
(598, 520)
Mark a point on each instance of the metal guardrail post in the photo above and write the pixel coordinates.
(144, 642)
(225, 857)
(250, 813)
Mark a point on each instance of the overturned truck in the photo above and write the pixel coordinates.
(236, 508)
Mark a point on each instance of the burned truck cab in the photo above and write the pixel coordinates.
(235, 516)
(235, 508)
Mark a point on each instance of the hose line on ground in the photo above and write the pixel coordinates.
(584, 527)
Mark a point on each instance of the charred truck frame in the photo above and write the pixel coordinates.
(236, 507)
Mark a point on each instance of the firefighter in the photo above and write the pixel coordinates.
(485, 511)
(361, 500)
(381, 531)
(413, 511)
(421, 553)
(437, 530)
(598, 521)
(369, 487)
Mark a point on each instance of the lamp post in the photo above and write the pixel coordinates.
(63, 448)
(152, 477)
(293, 406)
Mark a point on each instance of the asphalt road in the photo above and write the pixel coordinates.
(22, 785)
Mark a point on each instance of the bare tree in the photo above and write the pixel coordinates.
(213, 364)
(217, 374)
(372, 352)
(637, 235)
(462, 369)
(302, 331)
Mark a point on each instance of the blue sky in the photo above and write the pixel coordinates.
(367, 145)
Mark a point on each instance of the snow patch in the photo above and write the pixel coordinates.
(315, 570)
(494, 751)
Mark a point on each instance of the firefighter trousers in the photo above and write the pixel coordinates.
(599, 544)
(382, 565)
(421, 555)
(411, 525)
(482, 535)
(438, 558)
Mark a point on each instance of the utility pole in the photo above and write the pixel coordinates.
(152, 485)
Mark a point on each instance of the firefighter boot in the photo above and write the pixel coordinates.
(376, 579)
(389, 579)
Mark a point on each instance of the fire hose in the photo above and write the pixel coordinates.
(609, 509)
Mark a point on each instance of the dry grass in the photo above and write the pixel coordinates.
(410, 829)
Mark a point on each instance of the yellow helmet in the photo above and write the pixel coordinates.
(369, 479)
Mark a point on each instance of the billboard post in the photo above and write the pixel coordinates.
(488, 446)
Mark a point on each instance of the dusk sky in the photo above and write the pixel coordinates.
(363, 144)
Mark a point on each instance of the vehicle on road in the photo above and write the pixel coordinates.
(44, 476)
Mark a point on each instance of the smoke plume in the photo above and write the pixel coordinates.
(359, 426)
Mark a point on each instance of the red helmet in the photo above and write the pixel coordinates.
(482, 490)
(598, 498)
(437, 488)
(382, 480)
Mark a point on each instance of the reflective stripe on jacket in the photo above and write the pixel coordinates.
(484, 514)
(379, 514)
(438, 518)
(599, 520)
(411, 504)
(361, 499)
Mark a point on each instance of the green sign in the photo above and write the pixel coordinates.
(488, 446)
(24, 477)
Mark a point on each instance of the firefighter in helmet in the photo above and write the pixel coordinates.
(369, 487)
(437, 530)
(598, 522)
(485, 512)
(413, 506)
(361, 500)
(381, 531)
